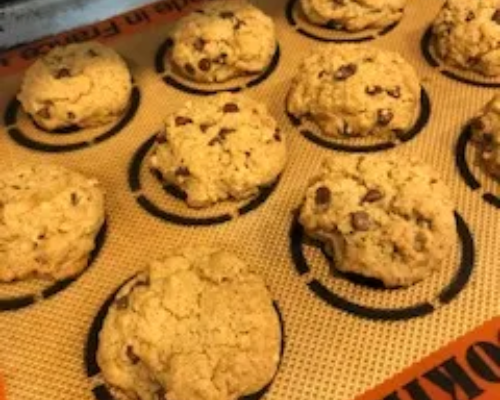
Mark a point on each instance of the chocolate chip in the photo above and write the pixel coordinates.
(277, 135)
(323, 196)
(223, 132)
(63, 73)
(221, 58)
(182, 171)
(92, 53)
(420, 241)
(322, 74)
(161, 394)
(345, 71)
(384, 116)
(248, 154)
(122, 303)
(74, 199)
(214, 141)
(239, 23)
(360, 221)
(205, 64)
(71, 115)
(373, 195)
(394, 92)
(43, 113)
(226, 14)
(230, 108)
(189, 69)
(334, 24)
(470, 16)
(496, 17)
(134, 359)
(199, 44)
(204, 127)
(161, 137)
(478, 124)
(181, 121)
(373, 89)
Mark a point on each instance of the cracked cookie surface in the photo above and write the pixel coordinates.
(49, 218)
(356, 91)
(486, 135)
(382, 217)
(466, 34)
(79, 85)
(223, 40)
(196, 325)
(353, 15)
(223, 147)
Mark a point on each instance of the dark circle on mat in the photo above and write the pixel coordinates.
(457, 284)
(10, 119)
(348, 38)
(92, 368)
(170, 79)
(16, 303)
(135, 185)
(425, 48)
(420, 123)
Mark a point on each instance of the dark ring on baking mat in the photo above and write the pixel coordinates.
(16, 303)
(433, 61)
(206, 89)
(134, 173)
(447, 294)
(420, 123)
(464, 169)
(92, 368)
(21, 138)
(327, 33)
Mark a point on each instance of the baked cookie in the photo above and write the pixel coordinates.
(226, 146)
(49, 218)
(382, 217)
(466, 34)
(486, 135)
(197, 325)
(80, 85)
(356, 91)
(223, 40)
(353, 15)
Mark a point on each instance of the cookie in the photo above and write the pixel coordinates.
(382, 217)
(80, 85)
(223, 147)
(49, 219)
(466, 34)
(356, 91)
(196, 325)
(223, 40)
(486, 135)
(353, 15)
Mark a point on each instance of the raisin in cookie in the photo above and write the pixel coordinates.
(353, 15)
(223, 40)
(466, 34)
(382, 217)
(356, 91)
(49, 218)
(486, 134)
(223, 147)
(79, 85)
(197, 325)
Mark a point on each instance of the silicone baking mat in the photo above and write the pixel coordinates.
(342, 337)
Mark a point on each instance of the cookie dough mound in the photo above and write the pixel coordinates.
(353, 15)
(466, 35)
(79, 85)
(486, 134)
(356, 91)
(381, 217)
(197, 325)
(49, 218)
(226, 146)
(223, 40)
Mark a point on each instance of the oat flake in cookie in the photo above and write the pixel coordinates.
(80, 85)
(223, 40)
(196, 325)
(467, 35)
(486, 134)
(219, 148)
(382, 217)
(49, 218)
(356, 91)
(353, 15)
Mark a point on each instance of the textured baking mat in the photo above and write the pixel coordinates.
(343, 337)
